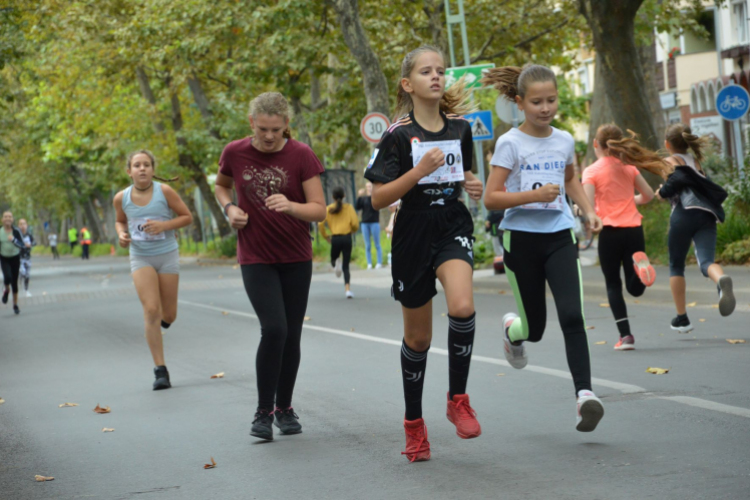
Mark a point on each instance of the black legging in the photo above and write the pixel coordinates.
(531, 259)
(616, 248)
(342, 244)
(11, 267)
(278, 293)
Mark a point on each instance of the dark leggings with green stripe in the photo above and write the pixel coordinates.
(533, 259)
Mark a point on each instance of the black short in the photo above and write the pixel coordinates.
(422, 241)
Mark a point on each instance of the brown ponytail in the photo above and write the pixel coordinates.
(338, 195)
(681, 138)
(455, 100)
(512, 81)
(629, 151)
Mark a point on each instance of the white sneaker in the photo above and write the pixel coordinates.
(369, 266)
(28, 293)
(589, 411)
(337, 269)
(515, 354)
(349, 294)
(379, 266)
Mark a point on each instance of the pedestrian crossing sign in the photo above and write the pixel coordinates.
(481, 125)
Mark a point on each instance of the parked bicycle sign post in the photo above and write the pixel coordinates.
(732, 103)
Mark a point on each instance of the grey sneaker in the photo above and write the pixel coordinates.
(162, 378)
(287, 421)
(515, 354)
(726, 296)
(262, 425)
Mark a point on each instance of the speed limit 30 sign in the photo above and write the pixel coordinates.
(373, 126)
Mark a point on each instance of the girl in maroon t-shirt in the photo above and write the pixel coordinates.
(279, 193)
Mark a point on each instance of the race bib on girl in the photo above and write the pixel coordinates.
(451, 171)
(138, 233)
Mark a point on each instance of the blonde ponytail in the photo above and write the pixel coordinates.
(512, 81)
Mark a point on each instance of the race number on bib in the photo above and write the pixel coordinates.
(451, 171)
(534, 179)
(138, 233)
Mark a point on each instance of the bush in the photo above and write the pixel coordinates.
(227, 246)
(655, 230)
(737, 252)
(95, 250)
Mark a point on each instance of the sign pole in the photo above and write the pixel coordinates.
(739, 153)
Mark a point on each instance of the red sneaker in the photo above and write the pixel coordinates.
(463, 416)
(643, 268)
(417, 446)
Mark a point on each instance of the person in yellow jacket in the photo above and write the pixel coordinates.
(85, 243)
(342, 221)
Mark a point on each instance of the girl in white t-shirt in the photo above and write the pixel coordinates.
(535, 164)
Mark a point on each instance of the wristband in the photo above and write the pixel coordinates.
(227, 206)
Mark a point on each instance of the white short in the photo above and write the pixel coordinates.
(165, 263)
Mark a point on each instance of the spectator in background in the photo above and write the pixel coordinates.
(72, 238)
(370, 224)
(52, 238)
(85, 243)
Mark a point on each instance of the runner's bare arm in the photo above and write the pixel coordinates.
(496, 198)
(385, 194)
(223, 188)
(473, 186)
(121, 221)
(575, 191)
(646, 193)
(590, 191)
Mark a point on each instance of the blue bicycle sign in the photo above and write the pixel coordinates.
(732, 102)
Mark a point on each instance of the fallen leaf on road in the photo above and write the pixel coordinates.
(736, 341)
(657, 371)
(2, 401)
(212, 465)
(221, 276)
(65, 405)
(501, 292)
(714, 306)
(500, 374)
(636, 302)
(601, 342)
(442, 314)
(236, 266)
(702, 320)
(604, 304)
(692, 304)
(44, 293)
(351, 329)
(163, 332)
(99, 409)
(307, 318)
(590, 327)
(107, 429)
(225, 313)
(41, 479)
(218, 375)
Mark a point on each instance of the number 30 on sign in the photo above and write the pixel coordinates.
(373, 126)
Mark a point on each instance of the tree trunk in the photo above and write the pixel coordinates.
(195, 227)
(201, 100)
(148, 94)
(105, 200)
(300, 124)
(600, 113)
(376, 86)
(612, 27)
(435, 10)
(647, 55)
(86, 203)
(186, 160)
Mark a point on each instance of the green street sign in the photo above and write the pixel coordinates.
(473, 74)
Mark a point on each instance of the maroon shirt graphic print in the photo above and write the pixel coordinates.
(270, 237)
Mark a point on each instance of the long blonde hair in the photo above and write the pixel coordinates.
(629, 151)
(455, 100)
(512, 81)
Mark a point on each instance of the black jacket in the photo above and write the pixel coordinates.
(26, 252)
(369, 214)
(694, 191)
(17, 239)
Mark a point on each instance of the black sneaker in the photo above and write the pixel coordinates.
(5, 296)
(681, 323)
(287, 421)
(727, 302)
(262, 425)
(16, 310)
(162, 378)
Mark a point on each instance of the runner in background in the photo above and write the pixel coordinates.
(279, 192)
(533, 170)
(52, 238)
(29, 242)
(72, 238)
(11, 245)
(146, 225)
(342, 221)
(424, 159)
(610, 183)
(370, 225)
(85, 243)
(696, 209)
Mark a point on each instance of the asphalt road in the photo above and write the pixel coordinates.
(79, 339)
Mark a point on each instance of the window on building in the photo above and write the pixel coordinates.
(739, 22)
(694, 109)
(711, 99)
(702, 99)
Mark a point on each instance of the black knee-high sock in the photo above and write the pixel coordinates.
(460, 343)
(165, 325)
(413, 365)
(623, 326)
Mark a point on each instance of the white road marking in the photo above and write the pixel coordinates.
(624, 388)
